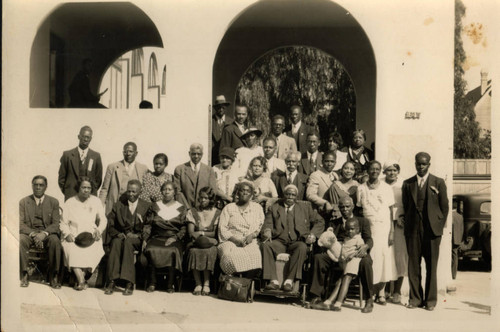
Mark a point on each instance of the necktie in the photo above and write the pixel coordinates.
(289, 179)
(421, 184)
(39, 202)
(312, 164)
(82, 157)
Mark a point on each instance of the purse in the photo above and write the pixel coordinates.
(235, 289)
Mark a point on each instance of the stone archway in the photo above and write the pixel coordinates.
(322, 24)
(101, 31)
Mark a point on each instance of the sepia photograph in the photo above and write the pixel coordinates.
(281, 165)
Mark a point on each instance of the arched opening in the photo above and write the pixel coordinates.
(137, 61)
(152, 71)
(100, 31)
(164, 81)
(321, 24)
(304, 76)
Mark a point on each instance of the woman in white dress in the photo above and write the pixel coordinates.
(376, 198)
(239, 226)
(335, 143)
(246, 153)
(391, 171)
(265, 190)
(82, 224)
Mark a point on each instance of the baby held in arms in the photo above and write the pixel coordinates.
(345, 255)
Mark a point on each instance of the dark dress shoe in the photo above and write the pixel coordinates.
(316, 300)
(320, 306)
(170, 289)
(272, 286)
(24, 280)
(151, 288)
(129, 289)
(54, 283)
(110, 288)
(287, 287)
(334, 308)
(413, 306)
(368, 307)
(430, 308)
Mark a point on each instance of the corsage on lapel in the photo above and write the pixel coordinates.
(91, 163)
(434, 189)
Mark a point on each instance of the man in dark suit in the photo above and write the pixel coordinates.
(125, 224)
(219, 120)
(291, 176)
(231, 134)
(39, 226)
(290, 225)
(426, 207)
(190, 177)
(298, 130)
(78, 162)
(312, 159)
(323, 263)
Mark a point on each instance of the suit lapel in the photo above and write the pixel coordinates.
(305, 165)
(282, 215)
(283, 183)
(414, 188)
(120, 168)
(31, 209)
(190, 173)
(237, 130)
(75, 161)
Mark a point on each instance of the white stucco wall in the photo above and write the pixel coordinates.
(413, 46)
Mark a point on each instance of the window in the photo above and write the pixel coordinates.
(137, 59)
(153, 71)
(164, 81)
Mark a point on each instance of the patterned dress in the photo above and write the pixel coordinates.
(236, 223)
(339, 190)
(206, 220)
(151, 186)
(376, 203)
(79, 217)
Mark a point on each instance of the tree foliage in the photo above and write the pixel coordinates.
(467, 141)
(302, 76)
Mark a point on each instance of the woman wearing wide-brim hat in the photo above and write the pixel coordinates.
(252, 149)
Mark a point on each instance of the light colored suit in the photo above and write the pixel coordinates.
(115, 182)
(285, 145)
(318, 185)
(189, 184)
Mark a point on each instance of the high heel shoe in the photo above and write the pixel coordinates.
(197, 290)
(205, 291)
(81, 286)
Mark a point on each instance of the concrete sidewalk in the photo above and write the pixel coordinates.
(46, 309)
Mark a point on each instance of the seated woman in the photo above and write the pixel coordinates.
(202, 224)
(82, 224)
(359, 154)
(346, 186)
(164, 234)
(239, 226)
(246, 153)
(335, 143)
(265, 190)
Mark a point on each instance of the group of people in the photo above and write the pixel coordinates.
(263, 198)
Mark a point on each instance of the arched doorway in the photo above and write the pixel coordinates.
(321, 24)
(303, 76)
(100, 31)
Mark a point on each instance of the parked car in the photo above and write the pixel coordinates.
(476, 212)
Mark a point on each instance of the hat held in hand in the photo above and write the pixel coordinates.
(84, 239)
(203, 242)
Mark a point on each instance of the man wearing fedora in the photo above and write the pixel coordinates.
(231, 134)
(125, 224)
(39, 227)
(219, 120)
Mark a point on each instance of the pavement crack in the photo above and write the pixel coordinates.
(64, 308)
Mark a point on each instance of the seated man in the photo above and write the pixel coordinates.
(39, 226)
(323, 262)
(291, 176)
(289, 226)
(125, 224)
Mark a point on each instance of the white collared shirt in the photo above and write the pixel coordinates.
(314, 156)
(423, 178)
(242, 127)
(295, 127)
(39, 200)
(291, 176)
(83, 153)
(132, 206)
(195, 168)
